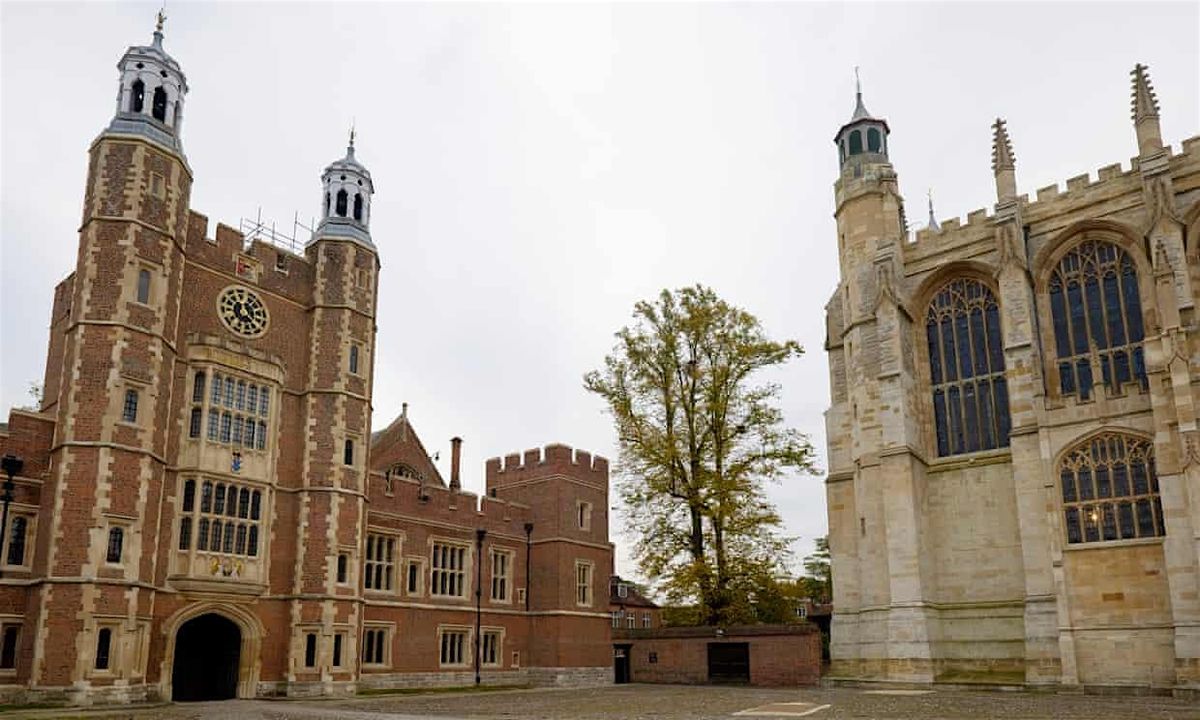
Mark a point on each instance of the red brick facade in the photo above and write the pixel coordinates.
(187, 464)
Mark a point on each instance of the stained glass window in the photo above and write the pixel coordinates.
(1096, 309)
(1110, 490)
(966, 369)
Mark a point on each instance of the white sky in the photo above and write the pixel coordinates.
(539, 168)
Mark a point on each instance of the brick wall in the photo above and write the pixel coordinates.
(780, 656)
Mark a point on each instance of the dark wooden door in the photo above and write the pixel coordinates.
(621, 663)
(729, 663)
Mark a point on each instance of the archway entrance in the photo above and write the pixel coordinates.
(207, 651)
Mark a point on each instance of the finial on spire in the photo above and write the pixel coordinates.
(1003, 157)
(860, 110)
(1145, 103)
(350, 147)
(159, 20)
(1145, 112)
(933, 223)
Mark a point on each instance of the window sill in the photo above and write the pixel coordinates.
(1110, 544)
(975, 459)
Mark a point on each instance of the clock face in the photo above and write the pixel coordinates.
(242, 311)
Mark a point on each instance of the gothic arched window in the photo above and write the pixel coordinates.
(1097, 316)
(137, 96)
(326, 204)
(966, 368)
(856, 142)
(159, 108)
(341, 203)
(1110, 490)
(358, 206)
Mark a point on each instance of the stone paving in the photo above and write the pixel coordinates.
(673, 702)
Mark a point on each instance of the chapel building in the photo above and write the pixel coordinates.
(200, 508)
(1014, 457)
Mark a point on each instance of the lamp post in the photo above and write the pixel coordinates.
(11, 464)
(479, 535)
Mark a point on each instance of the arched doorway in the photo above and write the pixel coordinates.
(207, 653)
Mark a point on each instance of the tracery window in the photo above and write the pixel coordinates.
(966, 368)
(1110, 490)
(1097, 317)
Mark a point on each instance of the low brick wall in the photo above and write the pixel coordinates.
(780, 655)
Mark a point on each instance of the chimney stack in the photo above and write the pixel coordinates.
(455, 457)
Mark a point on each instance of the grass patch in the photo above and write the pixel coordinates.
(383, 692)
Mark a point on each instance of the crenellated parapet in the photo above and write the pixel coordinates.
(1111, 190)
(554, 459)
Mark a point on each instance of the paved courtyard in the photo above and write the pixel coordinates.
(673, 702)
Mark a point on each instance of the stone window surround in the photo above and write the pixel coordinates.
(468, 633)
(1068, 448)
(923, 381)
(116, 643)
(464, 571)
(589, 588)
(494, 631)
(370, 564)
(8, 620)
(29, 512)
(198, 514)
(212, 371)
(419, 562)
(510, 554)
(583, 515)
(389, 634)
(1044, 266)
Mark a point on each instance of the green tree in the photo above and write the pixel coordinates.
(699, 437)
(819, 571)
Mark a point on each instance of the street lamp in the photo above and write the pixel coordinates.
(480, 534)
(11, 465)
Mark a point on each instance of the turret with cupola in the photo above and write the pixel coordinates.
(151, 93)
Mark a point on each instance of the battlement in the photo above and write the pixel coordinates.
(553, 459)
(1107, 182)
(411, 497)
(273, 267)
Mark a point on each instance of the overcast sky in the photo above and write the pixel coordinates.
(540, 168)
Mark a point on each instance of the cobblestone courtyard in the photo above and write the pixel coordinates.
(673, 702)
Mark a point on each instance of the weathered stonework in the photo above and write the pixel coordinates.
(958, 568)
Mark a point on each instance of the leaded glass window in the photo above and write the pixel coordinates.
(1097, 317)
(966, 368)
(1110, 490)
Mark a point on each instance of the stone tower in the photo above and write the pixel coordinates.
(112, 392)
(1012, 434)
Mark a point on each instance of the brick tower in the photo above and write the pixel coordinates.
(330, 489)
(118, 353)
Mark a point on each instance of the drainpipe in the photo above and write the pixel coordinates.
(528, 570)
(479, 535)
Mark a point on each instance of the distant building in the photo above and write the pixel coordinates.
(204, 512)
(1014, 454)
(629, 608)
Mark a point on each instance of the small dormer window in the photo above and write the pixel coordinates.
(856, 146)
